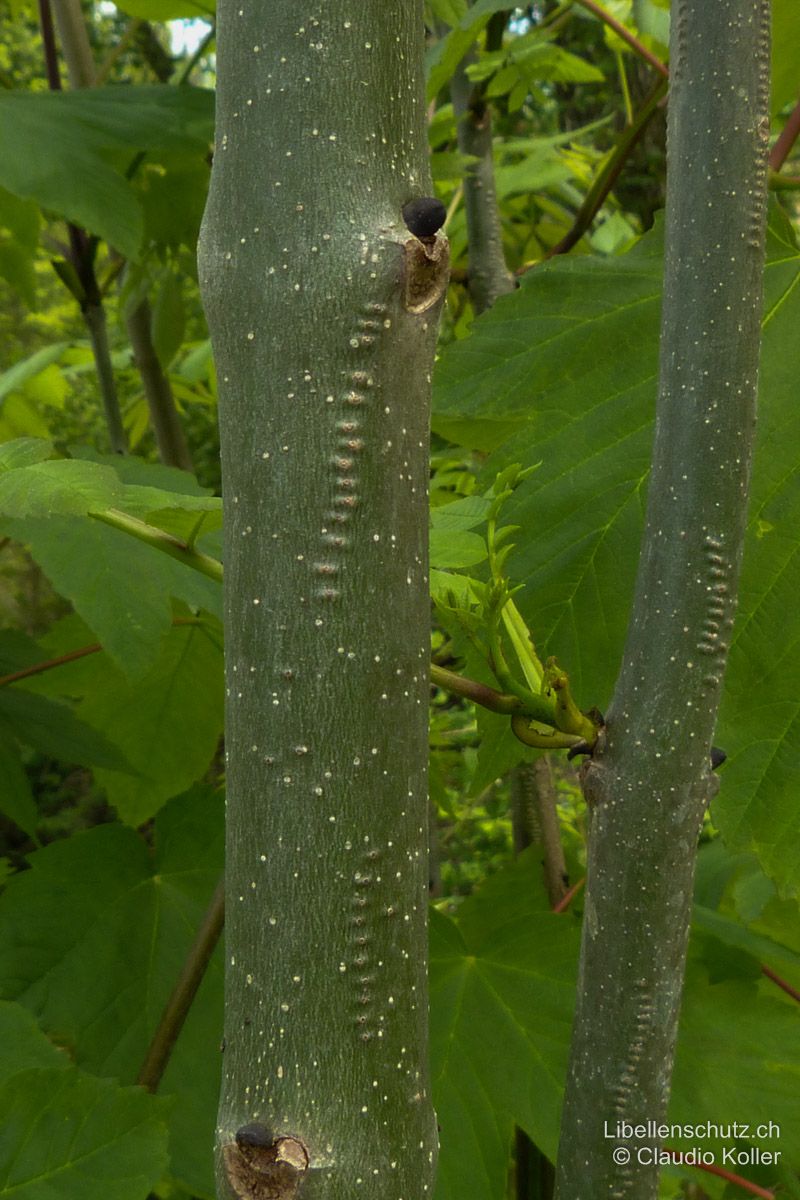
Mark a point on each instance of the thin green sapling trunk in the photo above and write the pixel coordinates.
(79, 271)
(649, 783)
(170, 439)
(323, 310)
(489, 277)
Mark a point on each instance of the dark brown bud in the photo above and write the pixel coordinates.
(424, 216)
(254, 1136)
(718, 757)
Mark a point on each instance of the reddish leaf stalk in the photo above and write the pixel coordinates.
(781, 983)
(49, 664)
(568, 897)
(629, 38)
(711, 1169)
(788, 136)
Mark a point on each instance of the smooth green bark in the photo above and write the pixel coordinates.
(648, 785)
(324, 337)
(489, 277)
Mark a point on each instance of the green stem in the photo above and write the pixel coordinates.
(172, 448)
(177, 1007)
(535, 802)
(559, 16)
(626, 91)
(569, 717)
(783, 183)
(649, 780)
(489, 276)
(49, 46)
(95, 317)
(550, 739)
(80, 68)
(497, 658)
(478, 693)
(529, 707)
(610, 172)
(151, 535)
(75, 45)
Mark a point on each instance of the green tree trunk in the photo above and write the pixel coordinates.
(649, 784)
(323, 311)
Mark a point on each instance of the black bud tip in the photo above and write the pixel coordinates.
(254, 1135)
(717, 757)
(424, 216)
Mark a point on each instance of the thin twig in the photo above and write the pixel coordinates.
(177, 1007)
(567, 899)
(170, 438)
(599, 190)
(781, 983)
(94, 314)
(82, 246)
(470, 689)
(488, 274)
(630, 115)
(536, 820)
(50, 664)
(555, 866)
(626, 35)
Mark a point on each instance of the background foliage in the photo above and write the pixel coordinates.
(111, 651)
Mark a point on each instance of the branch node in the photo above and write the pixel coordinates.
(262, 1166)
(426, 271)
